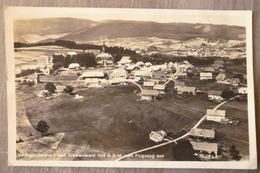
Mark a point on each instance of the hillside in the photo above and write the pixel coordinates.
(34, 30)
(81, 30)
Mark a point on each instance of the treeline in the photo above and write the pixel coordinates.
(84, 60)
(115, 50)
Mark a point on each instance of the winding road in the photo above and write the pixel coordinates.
(174, 140)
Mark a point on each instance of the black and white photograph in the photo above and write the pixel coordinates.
(111, 87)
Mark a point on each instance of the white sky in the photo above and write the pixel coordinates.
(157, 15)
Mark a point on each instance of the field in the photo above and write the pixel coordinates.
(26, 55)
(112, 120)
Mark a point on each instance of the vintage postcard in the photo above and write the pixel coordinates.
(110, 87)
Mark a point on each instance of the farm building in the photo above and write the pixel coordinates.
(142, 75)
(149, 94)
(215, 95)
(178, 84)
(242, 90)
(215, 115)
(187, 90)
(92, 74)
(160, 88)
(157, 136)
(104, 58)
(206, 76)
(148, 84)
(124, 60)
(205, 147)
(202, 133)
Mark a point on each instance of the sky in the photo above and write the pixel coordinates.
(238, 18)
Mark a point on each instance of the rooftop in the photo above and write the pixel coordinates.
(202, 133)
(214, 112)
(149, 92)
(205, 146)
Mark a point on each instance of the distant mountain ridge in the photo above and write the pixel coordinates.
(82, 30)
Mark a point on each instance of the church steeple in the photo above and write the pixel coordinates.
(103, 48)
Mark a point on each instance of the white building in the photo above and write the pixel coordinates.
(242, 90)
(206, 76)
(202, 133)
(215, 95)
(92, 74)
(149, 94)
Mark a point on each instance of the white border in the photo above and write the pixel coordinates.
(11, 13)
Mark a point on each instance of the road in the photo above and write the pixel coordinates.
(174, 140)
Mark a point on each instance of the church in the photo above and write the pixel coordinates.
(104, 58)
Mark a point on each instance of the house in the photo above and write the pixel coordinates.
(202, 133)
(221, 77)
(148, 84)
(219, 62)
(215, 115)
(104, 58)
(93, 82)
(206, 76)
(157, 136)
(159, 75)
(242, 90)
(205, 147)
(208, 69)
(132, 67)
(235, 81)
(72, 53)
(45, 64)
(149, 94)
(180, 75)
(187, 90)
(74, 66)
(142, 75)
(215, 95)
(95, 52)
(160, 88)
(119, 74)
(92, 74)
(178, 84)
(124, 60)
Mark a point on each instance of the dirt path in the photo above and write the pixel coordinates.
(174, 140)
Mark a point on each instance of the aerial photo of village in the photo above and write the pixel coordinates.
(130, 90)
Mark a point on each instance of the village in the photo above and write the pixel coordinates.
(150, 83)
